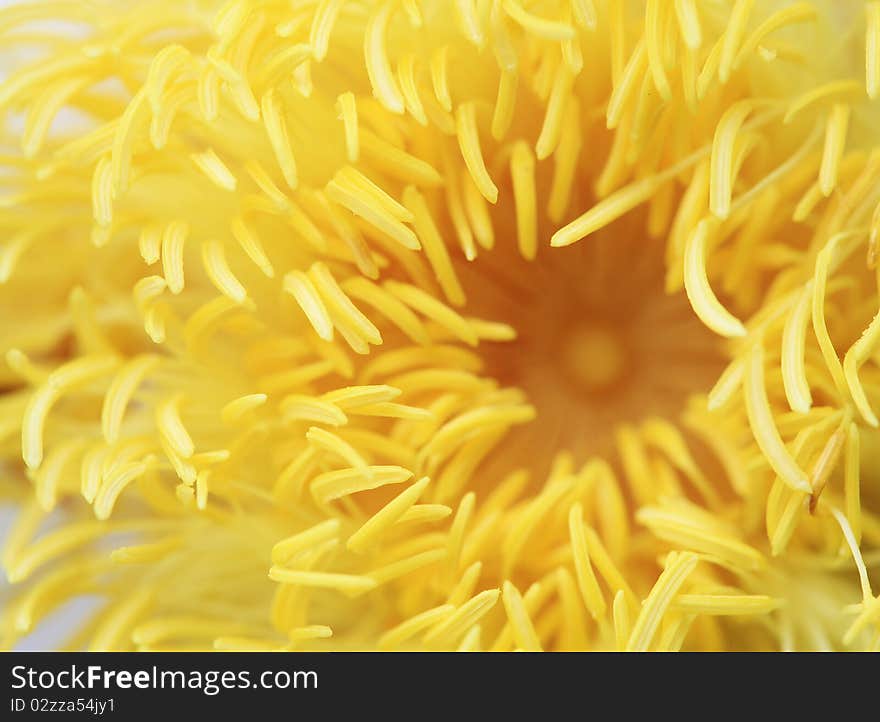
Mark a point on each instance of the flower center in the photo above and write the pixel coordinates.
(594, 357)
(599, 341)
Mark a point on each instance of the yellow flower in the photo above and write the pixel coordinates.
(434, 324)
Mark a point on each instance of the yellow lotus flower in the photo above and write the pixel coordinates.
(434, 324)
